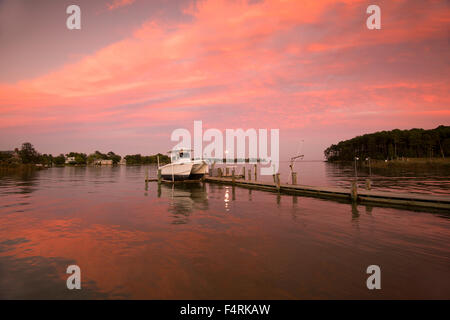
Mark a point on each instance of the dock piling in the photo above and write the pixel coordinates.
(294, 178)
(278, 181)
(233, 178)
(256, 173)
(368, 184)
(212, 169)
(354, 193)
(159, 176)
(249, 174)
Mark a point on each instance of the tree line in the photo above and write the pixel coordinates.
(27, 154)
(394, 144)
(139, 159)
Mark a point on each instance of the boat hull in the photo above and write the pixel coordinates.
(176, 171)
(198, 170)
(194, 170)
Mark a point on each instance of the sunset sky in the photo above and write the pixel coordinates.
(139, 69)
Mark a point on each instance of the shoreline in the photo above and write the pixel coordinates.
(400, 163)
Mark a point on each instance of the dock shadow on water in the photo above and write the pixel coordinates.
(206, 241)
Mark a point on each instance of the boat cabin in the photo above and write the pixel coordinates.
(179, 155)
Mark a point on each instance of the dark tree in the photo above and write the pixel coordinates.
(28, 154)
(414, 143)
(114, 157)
(59, 160)
(138, 159)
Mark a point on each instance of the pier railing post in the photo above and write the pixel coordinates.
(249, 174)
(368, 184)
(232, 176)
(256, 173)
(227, 172)
(354, 192)
(294, 178)
(219, 172)
(243, 172)
(274, 178)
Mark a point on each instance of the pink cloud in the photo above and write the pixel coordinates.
(119, 3)
(287, 64)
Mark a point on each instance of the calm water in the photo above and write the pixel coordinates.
(210, 241)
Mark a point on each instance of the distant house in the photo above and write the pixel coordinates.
(103, 162)
(70, 160)
(123, 161)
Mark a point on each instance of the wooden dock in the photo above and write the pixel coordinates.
(363, 196)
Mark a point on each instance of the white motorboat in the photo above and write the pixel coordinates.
(182, 167)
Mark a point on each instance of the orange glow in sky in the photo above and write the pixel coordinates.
(139, 69)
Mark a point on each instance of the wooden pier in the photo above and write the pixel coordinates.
(410, 200)
(359, 195)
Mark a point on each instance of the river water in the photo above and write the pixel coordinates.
(206, 241)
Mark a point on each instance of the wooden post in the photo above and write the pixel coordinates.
(232, 176)
(227, 172)
(159, 176)
(354, 194)
(146, 179)
(294, 178)
(219, 172)
(278, 181)
(243, 172)
(256, 172)
(250, 174)
(368, 184)
(212, 169)
(274, 178)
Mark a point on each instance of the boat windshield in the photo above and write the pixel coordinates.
(181, 155)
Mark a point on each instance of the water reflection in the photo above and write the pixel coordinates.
(226, 199)
(206, 241)
(430, 180)
(355, 215)
(41, 278)
(184, 199)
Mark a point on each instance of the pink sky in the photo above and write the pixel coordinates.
(138, 69)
